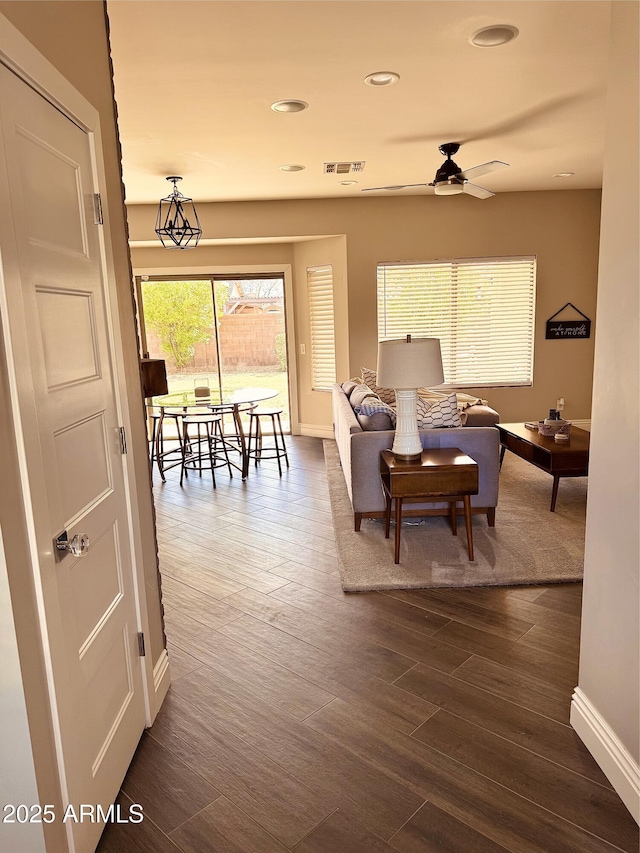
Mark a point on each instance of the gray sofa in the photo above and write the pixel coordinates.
(359, 452)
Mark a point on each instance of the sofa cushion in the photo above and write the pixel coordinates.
(479, 416)
(443, 413)
(348, 387)
(387, 395)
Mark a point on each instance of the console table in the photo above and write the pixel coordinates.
(442, 474)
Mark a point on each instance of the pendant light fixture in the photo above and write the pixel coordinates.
(177, 225)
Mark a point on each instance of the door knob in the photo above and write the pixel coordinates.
(78, 545)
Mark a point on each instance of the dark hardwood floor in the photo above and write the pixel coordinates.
(304, 719)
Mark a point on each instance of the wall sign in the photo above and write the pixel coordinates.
(563, 329)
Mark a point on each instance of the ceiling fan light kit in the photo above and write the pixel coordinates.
(448, 188)
(177, 223)
(450, 179)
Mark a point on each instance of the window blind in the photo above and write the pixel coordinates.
(323, 344)
(482, 309)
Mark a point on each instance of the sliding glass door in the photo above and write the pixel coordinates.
(227, 334)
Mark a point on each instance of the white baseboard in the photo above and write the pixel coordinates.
(611, 755)
(161, 678)
(585, 423)
(316, 430)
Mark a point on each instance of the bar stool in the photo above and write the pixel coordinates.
(255, 448)
(202, 452)
(166, 459)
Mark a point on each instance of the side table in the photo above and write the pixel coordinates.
(442, 474)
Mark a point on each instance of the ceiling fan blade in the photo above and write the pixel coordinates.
(396, 187)
(478, 192)
(482, 169)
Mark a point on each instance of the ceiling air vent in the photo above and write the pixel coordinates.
(343, 168)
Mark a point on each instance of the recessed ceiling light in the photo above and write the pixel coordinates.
(494, 36)
(348, 183)
(290, 106)
(564, 175)
(292, 167)
(382, 78)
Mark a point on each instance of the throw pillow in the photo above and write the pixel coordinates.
(387, 395)
(444, 413)
(358, 394)
(374, 405)
(348, 387)
(375, 423)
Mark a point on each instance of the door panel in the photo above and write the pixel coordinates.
(76, 334)
(58, 301)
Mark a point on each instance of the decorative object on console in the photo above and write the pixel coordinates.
(202, 390)
(154, 377)
(177, 224)
(407, 365)
(554, 428)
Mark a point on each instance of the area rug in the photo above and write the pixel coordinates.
(528, 545)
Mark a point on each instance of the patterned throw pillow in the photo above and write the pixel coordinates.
(373, 405)
(443, 413)
(358, 394)
(348, 387)
(387, 395)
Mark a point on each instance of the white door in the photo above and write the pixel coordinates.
(57, 318)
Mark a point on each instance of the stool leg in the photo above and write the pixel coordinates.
(184, 442)
(154, 430)
(258, 440)
(183, 466)
(250, 439)
(275, 441)
(284, 446)
(217, 427)
(160, 446)
(210, 429)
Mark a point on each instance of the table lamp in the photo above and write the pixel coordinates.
(406, 365)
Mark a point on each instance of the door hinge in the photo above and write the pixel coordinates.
(141, 644)
(123, 440)
(97, 209)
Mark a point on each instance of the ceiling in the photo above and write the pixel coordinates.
(195, 80)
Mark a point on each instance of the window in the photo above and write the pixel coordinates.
(482, 309)
(323, 343)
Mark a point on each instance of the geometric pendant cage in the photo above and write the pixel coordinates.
(177, 224)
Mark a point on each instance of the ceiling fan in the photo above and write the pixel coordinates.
(450, 179)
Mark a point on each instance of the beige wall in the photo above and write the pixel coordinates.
(315, 406)
(561, 228)
(73, 37)
(609, 665)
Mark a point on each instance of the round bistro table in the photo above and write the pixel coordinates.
(233, 403)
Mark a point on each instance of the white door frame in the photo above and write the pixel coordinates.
(289, 308)
(21, 57)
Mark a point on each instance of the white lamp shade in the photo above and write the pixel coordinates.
(414, 363)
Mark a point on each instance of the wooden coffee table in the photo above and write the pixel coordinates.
(442, 474)
(569, 459)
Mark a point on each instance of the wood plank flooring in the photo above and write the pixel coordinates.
(303, 719)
